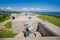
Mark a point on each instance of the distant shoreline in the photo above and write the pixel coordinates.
(49, 13)
(45, 13)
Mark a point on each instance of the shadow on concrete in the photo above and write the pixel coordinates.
(44, 31)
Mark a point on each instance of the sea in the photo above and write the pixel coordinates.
(50, 13)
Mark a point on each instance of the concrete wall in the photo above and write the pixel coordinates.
(17, 26)
(45, 31)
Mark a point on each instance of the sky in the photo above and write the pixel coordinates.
(40, 5)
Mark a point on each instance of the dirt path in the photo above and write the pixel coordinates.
(3, 23)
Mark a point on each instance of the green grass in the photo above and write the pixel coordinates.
(6, 34)
(8, 25)
(8, 17)
(3, 17)
(53, 19)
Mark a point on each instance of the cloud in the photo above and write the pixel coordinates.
(25, 9)
(1, 8)
(31, 9)
(36, 9)
(9, 8)
(21, 9)
(28, 9)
